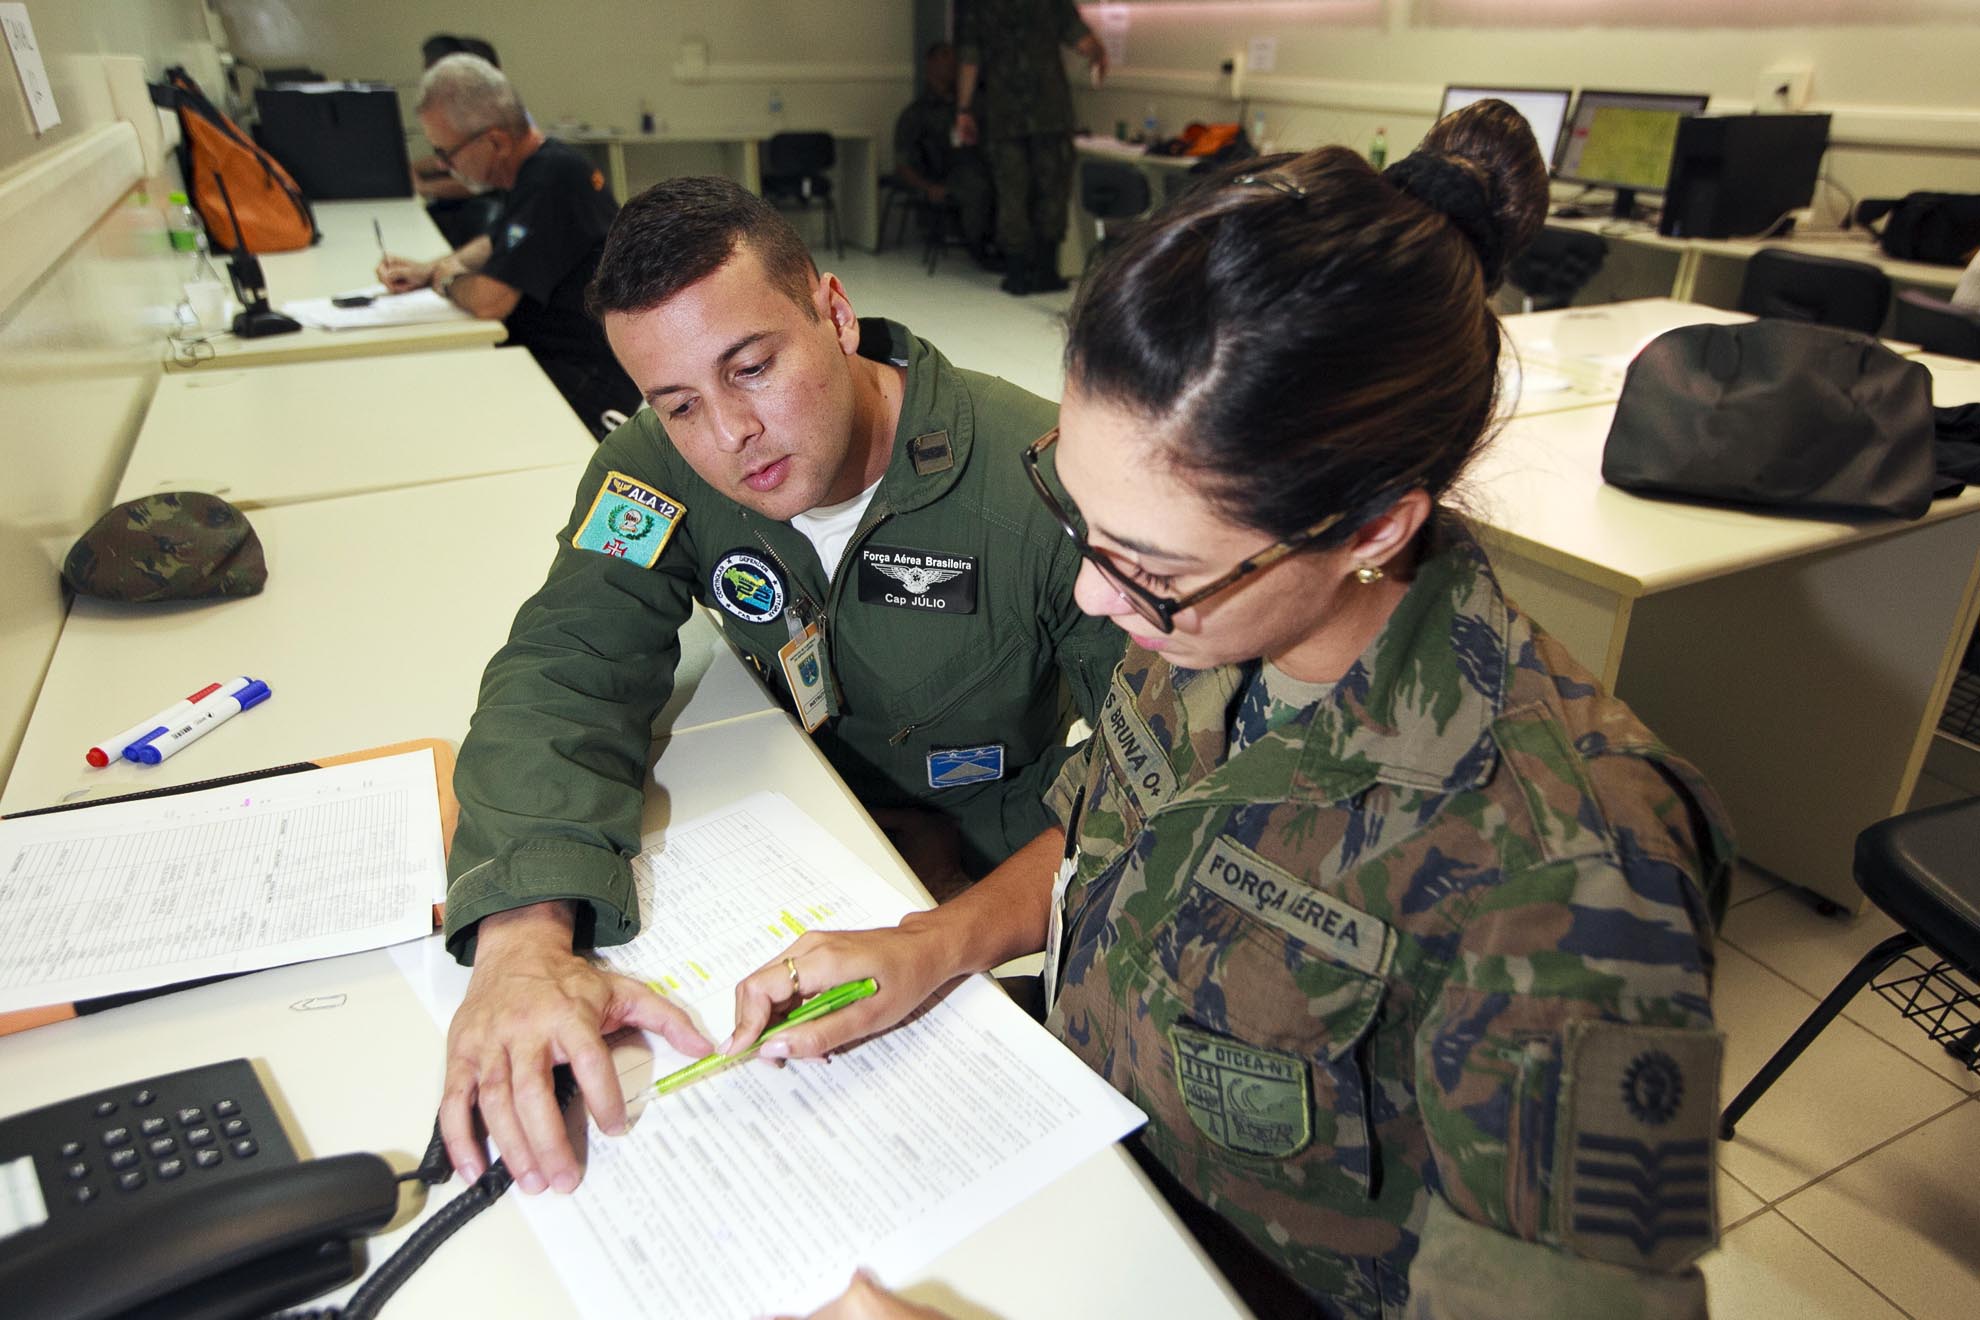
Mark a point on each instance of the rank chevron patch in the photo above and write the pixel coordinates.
(1634, 1161)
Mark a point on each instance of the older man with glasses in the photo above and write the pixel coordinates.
(530, 269)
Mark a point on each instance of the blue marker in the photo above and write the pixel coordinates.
(207, 715)
(169, 718)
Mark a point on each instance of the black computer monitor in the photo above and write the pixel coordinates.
(1624, 140)
(336, 139)
(1545, 108)
(1741, 175)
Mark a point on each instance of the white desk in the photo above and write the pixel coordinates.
(359, 592)
(1710, 269)
(1576, 357)
(1801, 663)
(362, 1072)
(856, 170)
(316, 430)
(347, 258)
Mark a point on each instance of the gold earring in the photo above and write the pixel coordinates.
(1368, 574)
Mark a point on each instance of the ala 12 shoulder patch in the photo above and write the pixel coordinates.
(1252, 1101)
(744, 584)
(628, 520)
(1639, 1106)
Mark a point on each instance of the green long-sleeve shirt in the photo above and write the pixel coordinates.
(956, 692)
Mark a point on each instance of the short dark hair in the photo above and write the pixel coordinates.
(1314, 338)
(442, 44)
(684, 230)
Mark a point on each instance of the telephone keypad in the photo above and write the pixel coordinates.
(166, 1142)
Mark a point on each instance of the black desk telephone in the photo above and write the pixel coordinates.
(181, 1198)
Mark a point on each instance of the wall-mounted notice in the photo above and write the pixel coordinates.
(27, 60)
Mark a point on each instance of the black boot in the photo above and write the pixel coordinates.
(1045, 276)
(1017, 275)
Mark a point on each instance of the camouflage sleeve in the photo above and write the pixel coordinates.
(1568, 1076)
(1065, 789)
(550, 776)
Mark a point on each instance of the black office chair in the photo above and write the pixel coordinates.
(1555, 266)
(894, 190)
(1826, 290)
(1919, 869)
(1936, 325)
(1113, 194)
(794, 166)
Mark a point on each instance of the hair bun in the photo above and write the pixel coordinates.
(1459, 192)
(1493, 140)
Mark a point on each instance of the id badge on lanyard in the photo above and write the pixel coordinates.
(1055, 929)
(806, 671)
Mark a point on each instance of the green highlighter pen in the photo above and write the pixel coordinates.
(825, 1001)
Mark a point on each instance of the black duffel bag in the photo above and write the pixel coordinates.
(1779, 413)
(1941, 228)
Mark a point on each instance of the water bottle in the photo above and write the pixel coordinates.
(203, 286)
(1378, 150)
(183, 224)
(1151, 131)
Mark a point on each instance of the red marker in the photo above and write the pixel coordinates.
(111, 748)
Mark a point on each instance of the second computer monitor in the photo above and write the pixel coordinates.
(1545, 108)
(1623, 140)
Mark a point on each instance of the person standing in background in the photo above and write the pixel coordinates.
(1012, 76)
(926, 158)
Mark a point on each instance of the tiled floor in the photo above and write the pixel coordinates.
(1850, 1190)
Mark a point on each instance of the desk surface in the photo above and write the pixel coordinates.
(345, 259)
(1538, 487)
(316, 430)
(1576, 356)
(1848, 245)
(383, 559)
(1102, 147)
(361, 1071)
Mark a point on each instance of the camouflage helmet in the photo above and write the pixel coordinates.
(182, 545)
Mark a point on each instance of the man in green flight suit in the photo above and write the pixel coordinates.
(1010, 61)
(856, 509)
(925, 158)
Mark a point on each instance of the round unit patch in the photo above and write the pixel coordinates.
(746, 586)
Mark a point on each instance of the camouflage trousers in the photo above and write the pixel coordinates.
(1033, 178)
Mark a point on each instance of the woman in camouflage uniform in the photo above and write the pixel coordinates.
(1395, 924)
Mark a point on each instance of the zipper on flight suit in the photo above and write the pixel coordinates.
(984, 675)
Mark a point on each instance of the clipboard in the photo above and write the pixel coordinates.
(450, 811)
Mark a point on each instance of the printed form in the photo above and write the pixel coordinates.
(134, 895)
(758, 1190)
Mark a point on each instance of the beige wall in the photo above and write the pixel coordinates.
(836, 65)
(1907, 115)
(80, 345)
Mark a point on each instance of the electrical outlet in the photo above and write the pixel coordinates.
(1784, 88)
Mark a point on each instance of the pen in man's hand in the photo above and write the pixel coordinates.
(825, 1001)
(378, 231)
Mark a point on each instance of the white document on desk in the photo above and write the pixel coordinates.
(419, 307)
(758, 1190)
(134, 895)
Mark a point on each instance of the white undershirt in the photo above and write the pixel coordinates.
(830, 526)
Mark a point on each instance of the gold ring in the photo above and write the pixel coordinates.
(790, 965)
